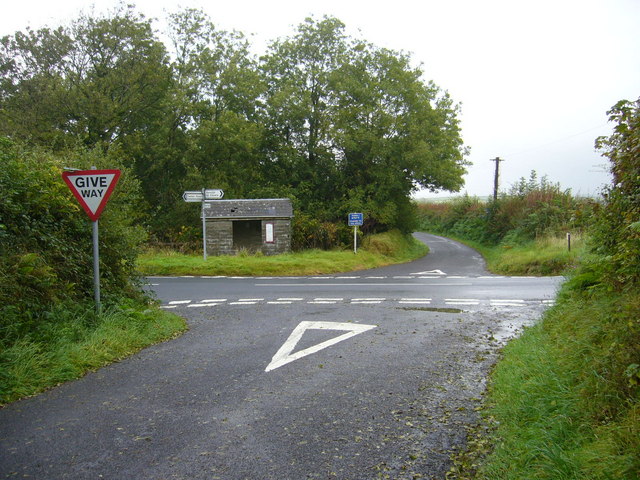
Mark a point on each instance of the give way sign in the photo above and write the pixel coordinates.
(92, 188)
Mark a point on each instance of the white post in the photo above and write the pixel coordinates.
(355, 239)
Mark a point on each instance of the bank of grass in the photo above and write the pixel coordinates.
(566, 395)
(544, 256)
(75, 340)
(377, 251)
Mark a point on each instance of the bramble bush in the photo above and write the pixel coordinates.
(530, 210)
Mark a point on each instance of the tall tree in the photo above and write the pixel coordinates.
(96, 81)
(356, 125)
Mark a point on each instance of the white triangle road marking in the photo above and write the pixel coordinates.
(285, 355)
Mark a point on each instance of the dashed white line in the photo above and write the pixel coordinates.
(212, 302)
(415, 301)
(461, 301)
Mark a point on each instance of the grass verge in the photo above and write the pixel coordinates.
(565, 398)
(377, 251)
(544, 256)
(75, 340)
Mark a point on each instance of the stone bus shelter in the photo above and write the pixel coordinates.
(260, 225)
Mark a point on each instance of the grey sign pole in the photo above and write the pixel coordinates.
(96, 263)
(204, 229)
(96, 267)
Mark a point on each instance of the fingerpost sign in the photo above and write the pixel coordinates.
(92, 189)
(202, 196)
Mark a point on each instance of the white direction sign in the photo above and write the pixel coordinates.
(213, 194)
(192, 196)
(92, 188)
(197, 195)
(285, 354)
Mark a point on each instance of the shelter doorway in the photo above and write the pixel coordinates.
(247, 234)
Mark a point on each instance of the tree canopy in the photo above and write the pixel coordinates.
(331, 121)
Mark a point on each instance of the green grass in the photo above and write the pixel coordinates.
(75, 341)
(544, 256)
(566, 396)
(377, 250)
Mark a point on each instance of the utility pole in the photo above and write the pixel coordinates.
(496, 177)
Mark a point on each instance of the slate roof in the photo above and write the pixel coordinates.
(253, 208)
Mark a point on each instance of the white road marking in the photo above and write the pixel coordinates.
(285, 299)
(430, 272)
(461, 301)
(279, 302)
(250, 299)
(350, 278)
(243, 303)
(495, 303)
(377, 278)
(415, 301)
(200, 305)
(214, 300)
(367, 301)
(285, 355)
(389, 284)
(179, 302)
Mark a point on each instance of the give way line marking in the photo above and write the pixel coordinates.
(285, 354)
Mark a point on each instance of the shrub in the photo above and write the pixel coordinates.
(45, 237)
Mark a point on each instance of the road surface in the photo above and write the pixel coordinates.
(366, 375)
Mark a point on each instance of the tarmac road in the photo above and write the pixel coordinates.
(366, 375)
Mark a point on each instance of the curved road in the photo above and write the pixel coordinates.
(365, 375)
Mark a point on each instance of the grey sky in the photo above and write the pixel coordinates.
(535, 79)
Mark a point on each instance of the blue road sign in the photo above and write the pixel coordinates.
(356, 219)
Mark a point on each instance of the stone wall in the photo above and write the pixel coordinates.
(220, 237)
(281, 237)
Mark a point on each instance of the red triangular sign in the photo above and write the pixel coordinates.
(92, 188)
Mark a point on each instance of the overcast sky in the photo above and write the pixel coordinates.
(534, 78)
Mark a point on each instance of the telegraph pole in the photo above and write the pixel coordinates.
(496, 177)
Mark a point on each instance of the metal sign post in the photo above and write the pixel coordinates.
(201, 196)
(92, 188)
(204, 229)
(355, 220)
(96, 267)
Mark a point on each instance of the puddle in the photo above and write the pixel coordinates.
(433, 309)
